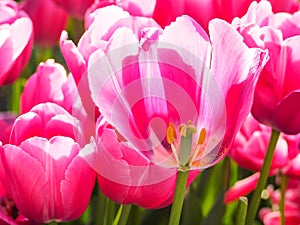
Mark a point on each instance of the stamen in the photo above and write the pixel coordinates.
(199, 149)
(202, 136)
(171, 133)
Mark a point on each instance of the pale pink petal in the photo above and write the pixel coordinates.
(234, 80)
(73, 57)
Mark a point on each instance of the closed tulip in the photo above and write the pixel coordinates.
(57, 182)
(277, 97)
(16, 40)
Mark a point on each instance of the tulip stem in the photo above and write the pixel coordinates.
(283, 184)
(109, 212)
(122, 215)
(242, 211)
(182, 176)
(255, 200)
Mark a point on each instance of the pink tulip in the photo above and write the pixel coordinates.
(46, 120)
(96, 37)
(48, 21)
(156, 88)
(205, 10)
(75, 8)
(250, 147)
(277, 96)
(49, 84)
(16, 39)
(125, 175)
(47, 141)
(57, 182)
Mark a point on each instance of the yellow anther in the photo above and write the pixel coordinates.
(171, 133)
(202, 136)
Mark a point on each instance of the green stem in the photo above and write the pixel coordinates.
(242, 211)
(109, 212)
(282, 198)
(99, 208)
(15, 95)
(176, 209)
(122, 215)
(255, 200)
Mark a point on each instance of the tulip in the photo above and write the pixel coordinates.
(125, 175)
(77, 58)
(75, 8)
(250, 146)
(276, 99)
(16, 39)
(57, 182)
(156, 89)
(48, 84)
(45, 15)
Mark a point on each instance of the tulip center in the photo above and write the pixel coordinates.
(182, 143)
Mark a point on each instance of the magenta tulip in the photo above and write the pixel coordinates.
(75, 8)
(156, 88)
(16, 39)
(57, 182)
(205, 10)
(125, 175)
(48, 19)
(277, 95)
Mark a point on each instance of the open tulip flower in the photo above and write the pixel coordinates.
(16, 39)
(178, 102)
(277, 95)
(57, 182)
